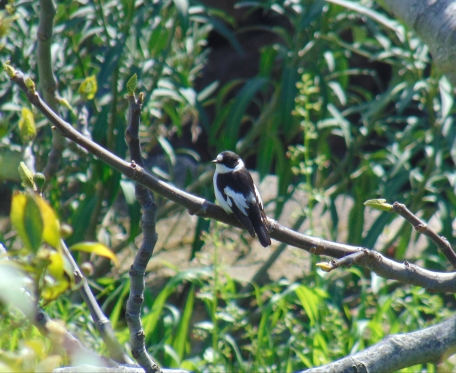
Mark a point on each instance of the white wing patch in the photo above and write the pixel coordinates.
(258, 197)
(222, 202)
(237, 198)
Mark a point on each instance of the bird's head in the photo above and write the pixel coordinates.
(228, 161)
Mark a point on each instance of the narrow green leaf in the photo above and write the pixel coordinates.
(393, 25)
(309, 302)
(97, 249)
(243, 99)
(288, 91)
(181, 337)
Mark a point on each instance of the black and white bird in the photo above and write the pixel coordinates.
(237, 194)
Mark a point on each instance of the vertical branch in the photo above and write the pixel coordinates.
(47, 80)
(138, 268)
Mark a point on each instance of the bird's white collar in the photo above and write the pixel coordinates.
(222, 169)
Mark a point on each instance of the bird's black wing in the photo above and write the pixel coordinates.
(246, 206)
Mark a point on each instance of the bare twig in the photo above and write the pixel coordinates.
(101, 322)
(345, 261)
(142, 257)
(440, 241)
(384, 267)
(430, 345)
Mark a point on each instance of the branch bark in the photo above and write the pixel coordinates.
(143, 255)
(47, 80)
(430, 345)
(435, 23)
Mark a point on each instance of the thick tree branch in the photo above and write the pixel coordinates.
(384, 267)
(435, 23)
(430, 345)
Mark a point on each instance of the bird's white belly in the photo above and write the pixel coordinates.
(221, 201)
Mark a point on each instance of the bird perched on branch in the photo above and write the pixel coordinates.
(237, 194)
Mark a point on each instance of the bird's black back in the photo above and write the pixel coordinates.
(241, 181)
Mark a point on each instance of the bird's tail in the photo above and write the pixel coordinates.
(263, 235)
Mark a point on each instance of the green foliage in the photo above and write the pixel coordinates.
(345, 104)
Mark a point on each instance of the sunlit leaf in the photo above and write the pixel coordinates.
(97, 249)
(131, 84)
(51, 291)
(27, 126)
(26, 176)
(51, 230)
(55, 267)
(378, 204)
(26, 219)
(89, 87)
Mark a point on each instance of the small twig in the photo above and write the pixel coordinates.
(101, 322)
(420, 226)
(142, 257)
(345, 261)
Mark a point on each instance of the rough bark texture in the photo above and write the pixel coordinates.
(434, 21)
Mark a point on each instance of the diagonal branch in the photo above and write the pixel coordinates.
(384, 267)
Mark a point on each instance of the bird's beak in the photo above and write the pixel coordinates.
(215, 161)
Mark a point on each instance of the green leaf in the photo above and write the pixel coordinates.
(56, 265)
(378, 204)
(309, 301)
(131, 84)
(27, 126)
(97, 249)
(26, 176)
(51, 228)
(181, 337)
(52, 290)
(182, 11)
(378, 17)
(26, 218)
(9, 69)
(288, 92)
(35, 221)
(243, 99)
(88, 87)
